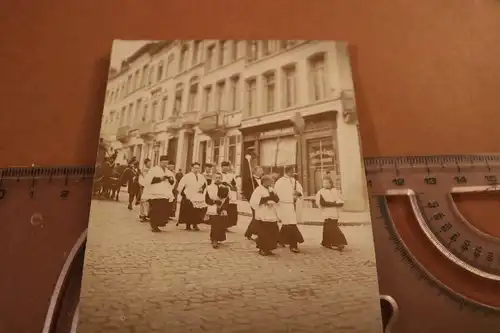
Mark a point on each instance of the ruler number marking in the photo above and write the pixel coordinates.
(32, 194)
(460, 179)
(433, 204)
(399, 181)
(64, 194)
(430, 180)
(491, 178)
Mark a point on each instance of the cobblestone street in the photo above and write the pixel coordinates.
(137, 281)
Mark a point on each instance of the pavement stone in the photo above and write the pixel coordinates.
(137, 281)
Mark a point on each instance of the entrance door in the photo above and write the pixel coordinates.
(190, 146)
(172, 149)
(202, 155)
(321, 162)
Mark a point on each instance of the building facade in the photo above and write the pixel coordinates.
(219, 100)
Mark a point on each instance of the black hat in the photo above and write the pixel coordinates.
(208, 165)
(225, 163)
(163, 158)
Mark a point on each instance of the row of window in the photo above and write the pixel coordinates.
(225, 95)
(216, 55)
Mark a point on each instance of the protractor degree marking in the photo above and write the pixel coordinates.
(433, 281)
(433, 239)
(456, 211)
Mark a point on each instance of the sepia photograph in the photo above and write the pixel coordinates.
(229, 193)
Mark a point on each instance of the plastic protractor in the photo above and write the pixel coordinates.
(429, 185)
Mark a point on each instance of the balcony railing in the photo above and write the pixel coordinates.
(122, 134)
(174, 123)
(190, 118)
(146, 129)
(212, 123)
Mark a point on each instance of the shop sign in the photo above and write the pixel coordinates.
(277, 132)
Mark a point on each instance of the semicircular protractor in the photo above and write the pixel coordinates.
(439, 263)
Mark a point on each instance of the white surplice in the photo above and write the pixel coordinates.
(329, 195)
(161, 190)
(263, 212)
(194, 187)
(230, 178)
(212, 190)
(284, 188)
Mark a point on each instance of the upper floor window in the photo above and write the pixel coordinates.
(222, 52)
(270, 91)
(289, 86)
(317, 77)
(210, 57)
(235, 91)
(170, 63)
(207, 98)
(144, 75)
(183, 60)
(196, 51)
(159, 71)
(252, 50)
(163, 108)
(136, 80)
(221, 90)
(251, 89)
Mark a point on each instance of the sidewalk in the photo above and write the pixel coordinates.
(312, 216)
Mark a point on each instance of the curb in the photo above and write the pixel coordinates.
(320, 223)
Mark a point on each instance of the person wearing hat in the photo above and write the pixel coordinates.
(208, 173)
(289, 192)
(193, 206)
(229, 179)
(173, 201)
(264, 201)
(143, 197)
(131, 178)
(159, 185)
(217, 200)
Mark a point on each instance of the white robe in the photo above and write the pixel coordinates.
(228, 178)
(193, 189)
(161, 190)
(284, 187)
(331, 195)
(142, 178)
(265, 212)
(212, 194)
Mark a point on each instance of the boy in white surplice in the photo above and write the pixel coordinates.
(263, 201)
(329, 199)
(217, 199)
(289, 191)
(159, 184)
(193, 185)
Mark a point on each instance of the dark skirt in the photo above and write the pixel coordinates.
(232, 215)
(184, 210)
(290, 235)
(268, 234)
(217, 228)
(173, 208)
(332, 235)
(158, 212)
(252, 227)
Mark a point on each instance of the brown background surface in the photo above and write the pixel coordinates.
(427, 73)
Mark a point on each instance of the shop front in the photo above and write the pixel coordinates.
(275, 146)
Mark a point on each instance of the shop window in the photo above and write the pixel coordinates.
(216, 152)
(321, 162)
(276, 154)
(231, 150)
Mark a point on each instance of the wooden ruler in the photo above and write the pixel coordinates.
(440, 269)
(43, 221)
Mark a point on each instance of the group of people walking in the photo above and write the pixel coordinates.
(211, 198)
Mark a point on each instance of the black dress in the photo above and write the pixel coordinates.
(267, 232)
(252, 228)
(332, 235)
(159, 209)
(218, 223)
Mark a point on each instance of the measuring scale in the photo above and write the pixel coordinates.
(441, 270)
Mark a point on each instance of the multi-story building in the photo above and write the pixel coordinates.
(215, 100)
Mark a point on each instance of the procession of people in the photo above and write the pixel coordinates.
(210, 197)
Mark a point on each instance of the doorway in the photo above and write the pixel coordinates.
(321, 162)
(190, 148)
(172, 149)
(202, 155)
